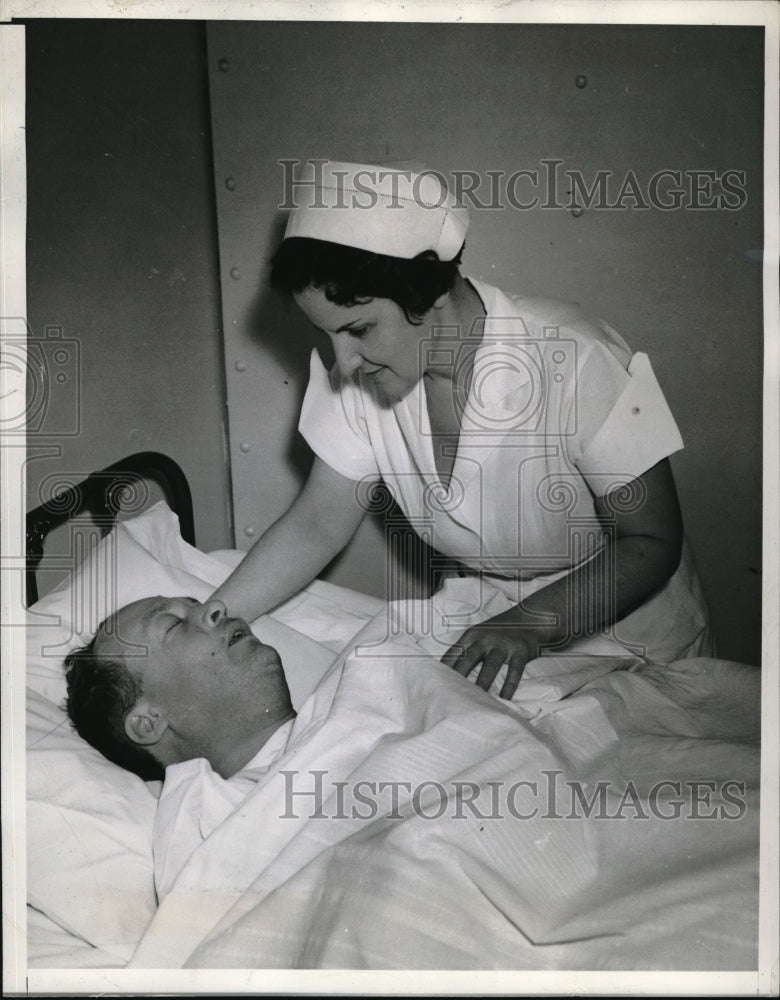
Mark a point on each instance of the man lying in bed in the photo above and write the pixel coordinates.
(167, 680)
(439, 799)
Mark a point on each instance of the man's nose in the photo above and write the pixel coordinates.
(212, 613)
(348, 357)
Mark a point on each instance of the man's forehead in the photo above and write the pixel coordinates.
(128, 624)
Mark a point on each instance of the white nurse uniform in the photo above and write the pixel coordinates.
(558, 411)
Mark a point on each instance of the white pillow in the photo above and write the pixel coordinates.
(140, 558)
(89, 837)
(89, 828)
(89, 822)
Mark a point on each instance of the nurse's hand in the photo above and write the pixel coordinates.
(492, 643)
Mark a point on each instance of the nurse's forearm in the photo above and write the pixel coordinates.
(621, 577)
(641, 552)
(296, 547)
(287, 557)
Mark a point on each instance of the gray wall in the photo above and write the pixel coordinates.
(684, 286)
(122, 253)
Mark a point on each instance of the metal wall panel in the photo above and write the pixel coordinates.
(683, 283)
(122, 280)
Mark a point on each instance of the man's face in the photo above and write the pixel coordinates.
(205, 671)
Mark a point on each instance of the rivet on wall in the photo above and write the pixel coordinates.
(245, 446)
(249, 531)
(230, 183)
(576, 211)
(235, 273)
(240, 366)
(581, 81)
(224, 65)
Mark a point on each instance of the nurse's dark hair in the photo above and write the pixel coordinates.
(101, 694)
(349, 276)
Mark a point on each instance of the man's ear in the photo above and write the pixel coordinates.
(145, 724)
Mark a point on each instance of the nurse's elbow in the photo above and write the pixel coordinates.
(662, 557)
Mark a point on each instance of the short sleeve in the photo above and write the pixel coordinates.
(636, 433)
(333, 423)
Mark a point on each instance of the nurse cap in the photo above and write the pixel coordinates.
(399, 213)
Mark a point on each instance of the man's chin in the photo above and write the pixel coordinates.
(272, 655)
(264, 655)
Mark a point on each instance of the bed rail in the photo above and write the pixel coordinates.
(101, 495)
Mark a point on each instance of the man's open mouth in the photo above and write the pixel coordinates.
(238, 633)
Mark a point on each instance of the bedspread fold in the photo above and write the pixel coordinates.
(412, 820)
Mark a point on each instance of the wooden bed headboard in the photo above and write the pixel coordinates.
(100, 495)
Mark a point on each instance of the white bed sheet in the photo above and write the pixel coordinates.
(416, 893)
(89, 823)
(631, 889)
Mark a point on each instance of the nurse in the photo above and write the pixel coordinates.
(519, 436)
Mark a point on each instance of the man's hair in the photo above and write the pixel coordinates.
(350, 276)
(101, 693)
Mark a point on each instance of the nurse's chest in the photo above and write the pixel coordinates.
(444, 415)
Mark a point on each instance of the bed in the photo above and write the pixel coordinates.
(606, 819)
